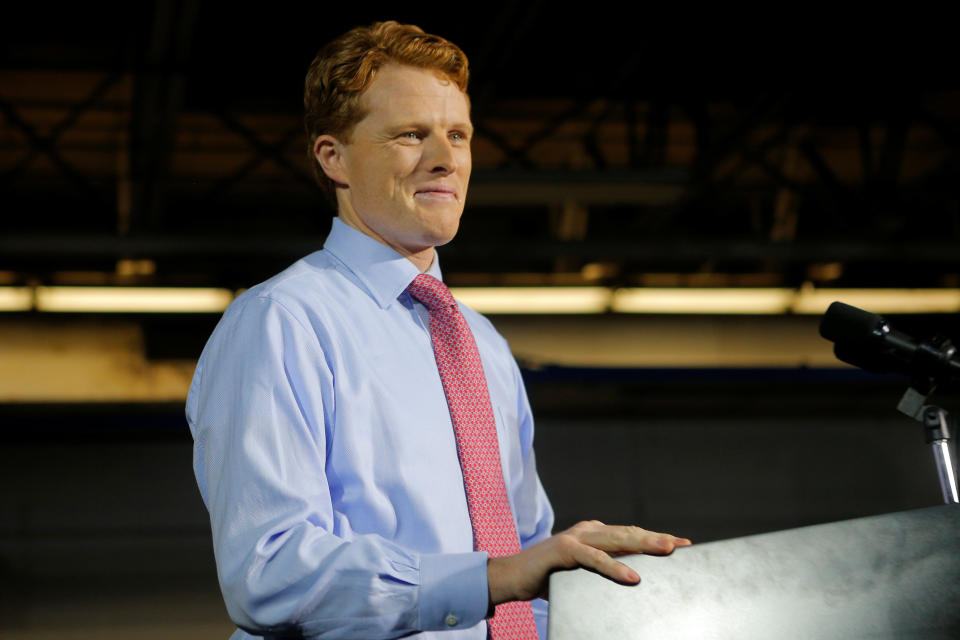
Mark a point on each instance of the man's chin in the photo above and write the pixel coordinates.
(443, 229)
(437, 240)
(447, 235)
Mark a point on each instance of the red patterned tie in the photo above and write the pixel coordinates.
(461, 373)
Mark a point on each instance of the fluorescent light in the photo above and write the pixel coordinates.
(816, 301)
(515, 300)
(16, 299)
(535, 300)
(132, 299)
(702, 300)
(762, 301)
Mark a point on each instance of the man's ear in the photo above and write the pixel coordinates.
(329, 154)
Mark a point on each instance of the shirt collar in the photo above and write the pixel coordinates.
(383, 272)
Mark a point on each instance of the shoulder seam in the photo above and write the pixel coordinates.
(267, 298)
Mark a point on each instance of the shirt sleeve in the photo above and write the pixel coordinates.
(260, 399)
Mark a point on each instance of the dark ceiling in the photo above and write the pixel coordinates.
(718, 148)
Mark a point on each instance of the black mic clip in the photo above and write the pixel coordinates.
(936, 355)
(929, 356)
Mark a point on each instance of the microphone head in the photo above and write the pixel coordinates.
(865, 340)
(844, 323)
(872, 360)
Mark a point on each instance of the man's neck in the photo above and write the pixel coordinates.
(423, 260)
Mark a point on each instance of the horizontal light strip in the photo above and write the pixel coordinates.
(806, 301)
(816, 301)
(690, 300)
(132, 299)
(703, 300)
(16, 298)
(515, 300)
(534, 300)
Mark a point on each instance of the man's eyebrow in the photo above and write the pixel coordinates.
(415, 125)
(406, 125)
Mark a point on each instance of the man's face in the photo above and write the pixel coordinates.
(408, 162)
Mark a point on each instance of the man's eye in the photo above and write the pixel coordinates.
(410, 135)
(456, 135)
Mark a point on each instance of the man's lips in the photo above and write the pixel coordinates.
(436, 193)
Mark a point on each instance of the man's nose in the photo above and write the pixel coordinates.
(441, 157)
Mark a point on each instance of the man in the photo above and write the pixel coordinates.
(358, 487)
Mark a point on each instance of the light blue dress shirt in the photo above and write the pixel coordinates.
(325, 454)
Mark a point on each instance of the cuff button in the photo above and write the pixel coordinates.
(451, 620)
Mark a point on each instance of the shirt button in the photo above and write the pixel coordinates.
(451, 620)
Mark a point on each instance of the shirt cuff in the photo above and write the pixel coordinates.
(453, 590)
(540, 617)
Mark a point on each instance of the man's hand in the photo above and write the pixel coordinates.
(525, 576)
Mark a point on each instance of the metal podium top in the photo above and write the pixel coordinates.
(889, 576)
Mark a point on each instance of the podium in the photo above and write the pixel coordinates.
(888, 576)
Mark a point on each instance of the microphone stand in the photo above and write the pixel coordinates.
(937, 423)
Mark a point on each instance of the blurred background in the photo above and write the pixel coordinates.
(661, 208)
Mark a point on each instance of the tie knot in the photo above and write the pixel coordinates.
(431, 292)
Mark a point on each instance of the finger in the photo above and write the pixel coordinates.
(601, 562)
(628, 539)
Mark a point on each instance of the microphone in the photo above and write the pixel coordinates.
(867, 341)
